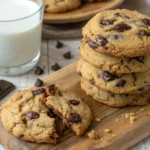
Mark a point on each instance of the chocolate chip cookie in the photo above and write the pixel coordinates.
(113, 64)
(27, 118)
(119, 33)
(58, 6)
(133, 83)
(75, 113)
(111, 99)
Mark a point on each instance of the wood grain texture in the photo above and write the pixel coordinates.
(127, 134)
(85, 12)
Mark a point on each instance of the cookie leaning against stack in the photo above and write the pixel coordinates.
(115, 58)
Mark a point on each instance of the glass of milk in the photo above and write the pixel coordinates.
(20, 35)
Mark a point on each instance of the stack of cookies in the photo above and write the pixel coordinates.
(115, 58)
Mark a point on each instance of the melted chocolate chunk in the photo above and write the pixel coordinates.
(74, 118)
(146, 21)
(21, 136)
(108, 76)
(92, 44)
(39, 83)
(38, 91)
(144, 33)
(121, 83)
(67, 55)
(118, 15)
(101, 40)
(60, 127)
(52, 89)
(79, 73)
(51, 114)
(92, 82)
(55, 67)
(145, 88)
(107, 22)
(59, 44)
(74, 102)
(32, 115)
(39, 71)
(121, 27)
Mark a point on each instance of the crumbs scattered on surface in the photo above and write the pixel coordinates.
(92, 134)
(107, 131)
(98, 120)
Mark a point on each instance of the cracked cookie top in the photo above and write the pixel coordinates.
(27, 118)
(119, 33)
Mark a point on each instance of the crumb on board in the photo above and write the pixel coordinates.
(92, 134)
(117, 120)
(132, 119)
(97, 119)
(107, 131)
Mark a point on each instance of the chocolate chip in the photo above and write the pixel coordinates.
(146, 21)
(39, 71)
(67, 55)
(92, 82)
(55, 67)
(144, 33)
(51, 114)
(92, 44)
(79, 73)
(145, 88)
(32, 115)
(121, 83)
(118, 15)
(52, 89)
(59, 44)
(5, 88)
(107, 22)
(74, 118)
(74, 102)
(121, 27)
(39, 83)
(46, 6)
(101, 40)
(140, 59)
(108, 76)
(38, 91)
(21, 136)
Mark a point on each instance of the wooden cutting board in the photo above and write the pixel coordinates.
(83, 13)
(123, 136)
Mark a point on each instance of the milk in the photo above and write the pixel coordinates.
(20, 39)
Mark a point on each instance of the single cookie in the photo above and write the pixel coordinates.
(119, 33)
(75, 113)
(58, 6)
(111, 99)
(113, 64)
(27, 118)
(126, 83)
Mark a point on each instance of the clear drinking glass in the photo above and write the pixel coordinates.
(20, 35)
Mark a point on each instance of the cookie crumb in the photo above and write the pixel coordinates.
(97, 119)
(114, 135)
(132, 119)
(142, 109)
(102, 139)
(122, 121)
(127, 115)
(117, 120)
(108, 131)
(92, 134)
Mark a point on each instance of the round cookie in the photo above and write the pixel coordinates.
(75, 113)
(59, 6)
(126, 83)
(118, 65)
(119, 33)
(27, 118)
(111, 99)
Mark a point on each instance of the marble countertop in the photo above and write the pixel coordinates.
(50, 55)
